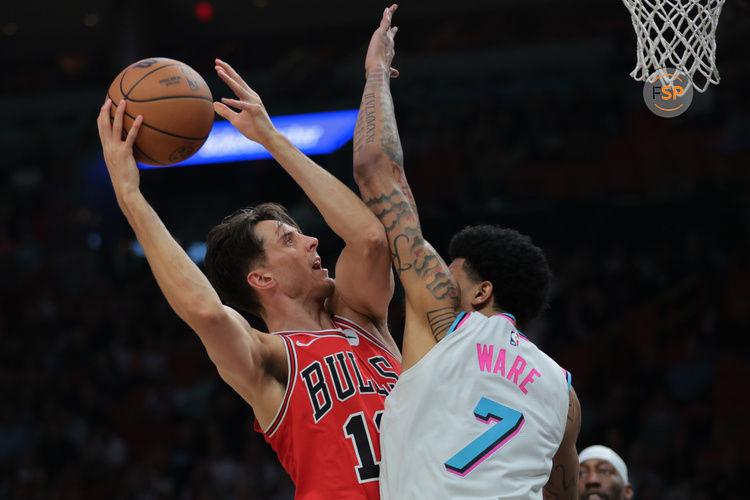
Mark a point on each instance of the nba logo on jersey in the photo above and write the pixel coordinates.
(351, 336)
(513, 338)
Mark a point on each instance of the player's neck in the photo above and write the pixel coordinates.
(494, 311)
(293, 315)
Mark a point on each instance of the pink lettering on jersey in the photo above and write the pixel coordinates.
(517, 369)
(529, 379)
(500, 363)
(484, 356)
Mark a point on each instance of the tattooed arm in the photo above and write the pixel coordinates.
(563, 481)
(431, 293)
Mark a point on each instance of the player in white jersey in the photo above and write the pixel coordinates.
(479, 411)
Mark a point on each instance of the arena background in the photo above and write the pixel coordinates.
(519, 113)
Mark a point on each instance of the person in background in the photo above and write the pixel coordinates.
(603, 475)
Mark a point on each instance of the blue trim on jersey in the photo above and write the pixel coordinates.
(455, 322)
(569, 377)
(510, 316)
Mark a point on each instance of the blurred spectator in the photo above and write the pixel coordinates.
(603, 475)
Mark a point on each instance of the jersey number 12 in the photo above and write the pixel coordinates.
(355, 429)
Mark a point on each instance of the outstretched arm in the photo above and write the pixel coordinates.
(431, 294)
(363, 276)
(238, 351)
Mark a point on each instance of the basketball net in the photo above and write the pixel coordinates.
(677, 34)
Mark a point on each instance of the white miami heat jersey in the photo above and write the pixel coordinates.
(480, 416)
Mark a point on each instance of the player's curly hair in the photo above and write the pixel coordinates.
(233, 250)
(517, 269)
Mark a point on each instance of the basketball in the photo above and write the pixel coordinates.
(176, 105)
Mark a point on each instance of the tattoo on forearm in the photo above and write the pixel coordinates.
(565, 488)
(408, 249)
(397, 210)
(397, 257)
(440, 321)
(389, 140)
(365, 128)
(398, 174)
(431, 270)
(376, 126)
(566, 485)
(370, 117)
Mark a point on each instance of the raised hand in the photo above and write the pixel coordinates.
(381, 50)
(252, 120)
(118, 153)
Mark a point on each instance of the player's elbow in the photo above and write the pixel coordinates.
(204, 314)
(374, 238)
(369, 165)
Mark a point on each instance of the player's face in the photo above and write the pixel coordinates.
(465, 285)
(599, 480)
(293, 262)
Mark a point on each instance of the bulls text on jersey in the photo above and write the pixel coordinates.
(340, 375)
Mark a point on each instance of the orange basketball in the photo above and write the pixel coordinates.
(176, 105)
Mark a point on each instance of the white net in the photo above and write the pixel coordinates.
(677, 34)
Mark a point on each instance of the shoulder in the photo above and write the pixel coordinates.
(338, 307)
(357, 335)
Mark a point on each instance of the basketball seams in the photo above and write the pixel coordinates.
(157, 162)
(127, 95)
(202, 98)
(144, 124)
(142, 78)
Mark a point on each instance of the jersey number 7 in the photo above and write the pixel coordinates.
(507, 424)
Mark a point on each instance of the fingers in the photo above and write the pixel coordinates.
(247, 97)
(133, 132)
(234, 102)
(229, 70)
(394, 73)
(238, 90)
(385, 21)
(235, 81)
(225, 112)
(117, 125)
(102, 122)
(387, 16)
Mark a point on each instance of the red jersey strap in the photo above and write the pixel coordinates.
(291, 359)
(345, 323)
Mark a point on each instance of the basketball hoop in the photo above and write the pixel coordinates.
(676, 34)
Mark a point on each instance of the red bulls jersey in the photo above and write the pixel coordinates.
(327, 430)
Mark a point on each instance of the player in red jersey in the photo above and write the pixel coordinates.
(317, 386)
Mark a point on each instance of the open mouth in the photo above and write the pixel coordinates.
(316, 265)
(595, 496)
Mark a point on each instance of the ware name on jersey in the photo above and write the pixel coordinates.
(479, 416)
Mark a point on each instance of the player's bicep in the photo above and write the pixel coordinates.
(238, 350)
(563, 481)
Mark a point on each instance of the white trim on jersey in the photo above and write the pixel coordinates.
(292, 368)
(364, 333)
